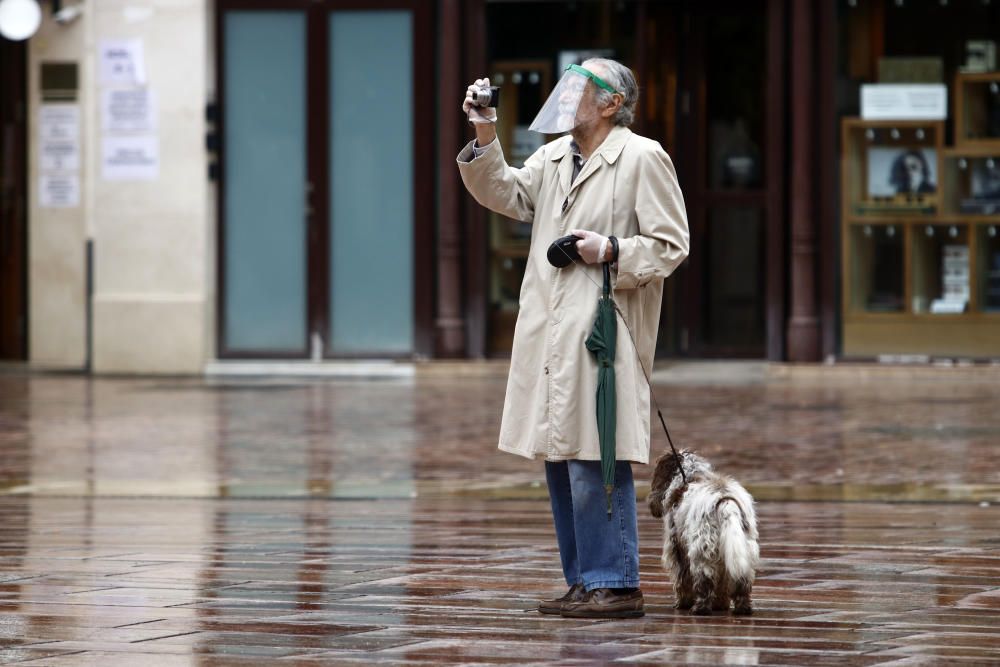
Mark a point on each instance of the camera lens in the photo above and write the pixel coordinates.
(486, 97)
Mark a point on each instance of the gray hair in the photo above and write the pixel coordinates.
(623, 81)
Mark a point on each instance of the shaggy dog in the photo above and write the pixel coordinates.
(710, 544)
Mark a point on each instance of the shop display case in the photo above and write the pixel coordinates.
(891, 168)
(977, 110)
(876, 285)
(921, 275)
(940, 269)
(973, 178)
(987, 296)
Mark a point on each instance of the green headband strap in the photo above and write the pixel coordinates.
(593, 77)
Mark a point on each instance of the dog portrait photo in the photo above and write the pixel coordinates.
(710, 543)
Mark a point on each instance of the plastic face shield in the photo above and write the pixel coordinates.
(560, 112)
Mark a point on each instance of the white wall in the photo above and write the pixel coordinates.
(153, 272)
(56, 236)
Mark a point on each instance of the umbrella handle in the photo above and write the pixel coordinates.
(607, 279)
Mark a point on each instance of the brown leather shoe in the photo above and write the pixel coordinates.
(575, 593)
(605, 603)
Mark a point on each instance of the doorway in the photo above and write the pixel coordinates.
(729, 133)
(326, 226)
(13, 202)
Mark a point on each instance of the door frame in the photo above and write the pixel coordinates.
(14, 202)
(693, 144)
(318, 223)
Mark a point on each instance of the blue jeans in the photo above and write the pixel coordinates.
(597, 551)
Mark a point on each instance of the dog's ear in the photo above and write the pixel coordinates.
(655, 502)
(666, 468)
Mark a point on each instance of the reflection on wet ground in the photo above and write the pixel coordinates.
(193, 522)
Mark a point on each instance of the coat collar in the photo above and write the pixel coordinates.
(609, 149)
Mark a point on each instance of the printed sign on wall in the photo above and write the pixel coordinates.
(130, 158)
(58, 155)
(122, 62)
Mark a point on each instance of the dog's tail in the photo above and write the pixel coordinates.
(739, 548)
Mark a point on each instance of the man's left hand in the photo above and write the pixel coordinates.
(593, 247)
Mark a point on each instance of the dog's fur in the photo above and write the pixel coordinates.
(710, 542)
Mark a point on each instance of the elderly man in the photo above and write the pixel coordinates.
(618, 193)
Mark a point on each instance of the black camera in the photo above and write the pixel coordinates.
(486, 97)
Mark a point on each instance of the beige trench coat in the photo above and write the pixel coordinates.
(628, 188)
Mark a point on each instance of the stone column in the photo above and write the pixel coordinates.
(803, 326)
(449, 325)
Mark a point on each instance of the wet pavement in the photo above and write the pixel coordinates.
(188, 521)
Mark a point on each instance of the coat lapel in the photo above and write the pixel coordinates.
(565, 173)
(607, 152)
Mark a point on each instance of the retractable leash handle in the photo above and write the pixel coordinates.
(649, 381)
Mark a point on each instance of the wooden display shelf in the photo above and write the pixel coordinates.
(929, 219)
(973, 335)
(970, 111)
(901, 219)
(976, 150)
(866, 333)
(979, 317)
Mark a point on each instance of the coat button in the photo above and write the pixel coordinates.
(546, 370)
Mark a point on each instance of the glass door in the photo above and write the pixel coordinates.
(371, 182)
(723, 122)
(264, 225)
(324, 251)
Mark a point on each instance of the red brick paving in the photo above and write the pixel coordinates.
(185, 522)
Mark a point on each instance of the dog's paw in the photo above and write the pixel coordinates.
(701, 610)
(743, 611)
(683, 605)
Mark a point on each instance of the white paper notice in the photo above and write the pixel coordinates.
(122, 62)
(59, 121)
(59, 190)
(895, 101)
(128, 109)
(130, 158)
(59, 156)
(59, 137)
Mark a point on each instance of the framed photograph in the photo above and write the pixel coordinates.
(901, 171)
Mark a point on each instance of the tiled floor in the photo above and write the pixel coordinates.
(186, 522)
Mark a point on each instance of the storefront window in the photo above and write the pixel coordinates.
(919, 95)
(735, 114)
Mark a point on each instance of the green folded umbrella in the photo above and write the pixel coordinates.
(601, 343)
